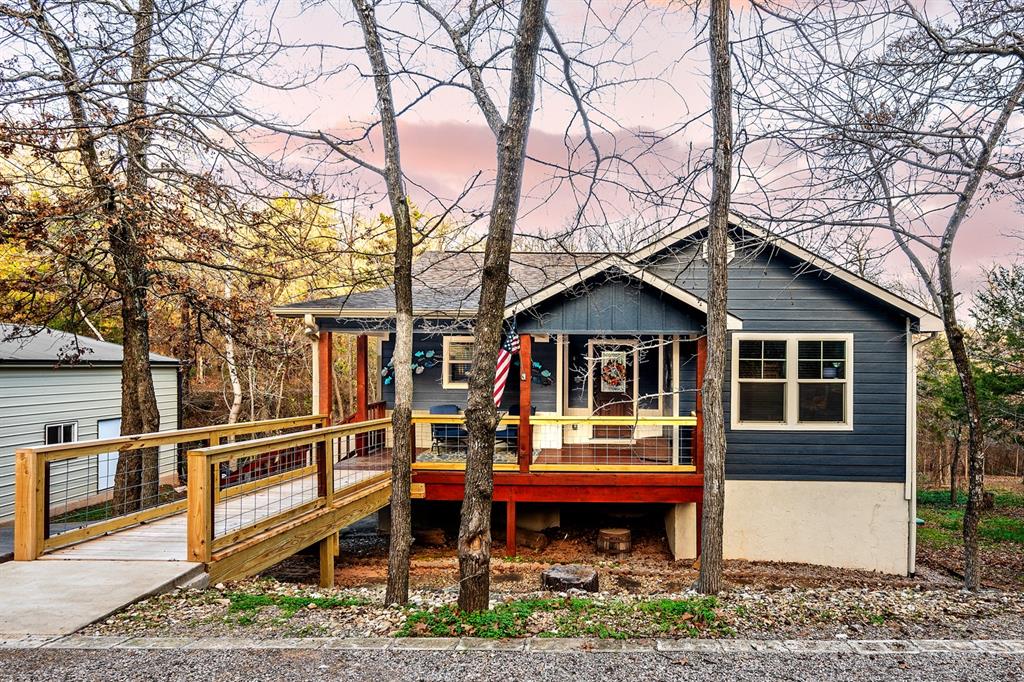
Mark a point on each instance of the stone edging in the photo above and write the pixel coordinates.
(865, 647)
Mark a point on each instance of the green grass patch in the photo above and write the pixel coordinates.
(503, 621)
(943, 527)
(940, 498)
(572, 617)
(247, 605)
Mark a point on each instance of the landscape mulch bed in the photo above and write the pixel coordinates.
(643, 594)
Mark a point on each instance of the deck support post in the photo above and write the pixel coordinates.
(525, 439)
(328, 550)
(510, 528)
(325, 374)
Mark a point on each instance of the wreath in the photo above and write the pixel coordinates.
(613, 372)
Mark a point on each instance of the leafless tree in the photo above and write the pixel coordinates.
(401, 417)
(117, 127)
(902, 123)
(710, 581)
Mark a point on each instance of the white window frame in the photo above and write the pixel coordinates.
(74, 431)
(791, 395)
(446, 360)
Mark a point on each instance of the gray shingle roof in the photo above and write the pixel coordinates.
(450, 281)
(30, 344)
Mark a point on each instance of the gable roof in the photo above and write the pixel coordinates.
(615, 262)
(443, 281)
(26, 344)
(928, 321)
(447, 282)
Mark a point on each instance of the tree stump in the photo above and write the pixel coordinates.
(531, 539)
(614, 540)
(564, 577)
(430, 537)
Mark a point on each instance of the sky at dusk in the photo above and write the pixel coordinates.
(445, 141)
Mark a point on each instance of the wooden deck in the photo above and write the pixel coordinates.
(166, 539)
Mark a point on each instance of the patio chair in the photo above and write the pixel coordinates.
(509, 436)
(445, 436)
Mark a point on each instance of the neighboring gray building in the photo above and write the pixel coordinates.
(56, 387)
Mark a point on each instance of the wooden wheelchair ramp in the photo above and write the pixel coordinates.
(249, 504)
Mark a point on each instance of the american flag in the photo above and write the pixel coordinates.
(509, 346)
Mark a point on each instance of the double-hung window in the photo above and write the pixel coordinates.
(64, 432)
(792, 381)
(457, 360)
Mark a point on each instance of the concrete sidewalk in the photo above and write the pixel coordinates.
(53, 598)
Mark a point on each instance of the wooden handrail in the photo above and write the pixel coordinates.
(259, 446)
(615, 421)
(456, 419)
(30, 511)
(53, 453)
(204, 491)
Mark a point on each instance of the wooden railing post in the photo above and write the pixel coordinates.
(324, 470)
(201, 495)
(29, 505)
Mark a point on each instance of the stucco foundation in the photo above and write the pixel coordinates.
(843, 524)
(681, 530)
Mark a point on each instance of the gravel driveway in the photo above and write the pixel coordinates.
(302, 664)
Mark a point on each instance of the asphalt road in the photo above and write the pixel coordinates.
(392, 666)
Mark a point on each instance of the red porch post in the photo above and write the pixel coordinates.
(525, 380)
(362, 377)
(697, 445)
(325, 363)
(362, 390)
(698, 431)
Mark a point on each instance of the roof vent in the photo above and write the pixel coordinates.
(730, 253)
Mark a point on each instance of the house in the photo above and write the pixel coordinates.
(57, 387)
(820, 390)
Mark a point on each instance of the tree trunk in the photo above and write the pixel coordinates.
(401, 417)
(481, 416)
(954, 463)
(710, 580)
(229, 359)
(136, 478)
(139, 411)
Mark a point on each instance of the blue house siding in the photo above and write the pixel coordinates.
(773, 292)
(611, 305)
(428, 389)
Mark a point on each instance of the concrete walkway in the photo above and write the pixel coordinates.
(52, 598)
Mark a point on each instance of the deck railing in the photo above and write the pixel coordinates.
(321, 465)
(442, 442)
(66, 493)
(565, 443)
(608, 444)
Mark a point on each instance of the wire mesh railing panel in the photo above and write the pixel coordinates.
(251, 490)
(446, 442)
(359, 457)
(607, 444)
(96, 488)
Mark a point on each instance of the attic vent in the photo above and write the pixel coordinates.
(730, 253)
